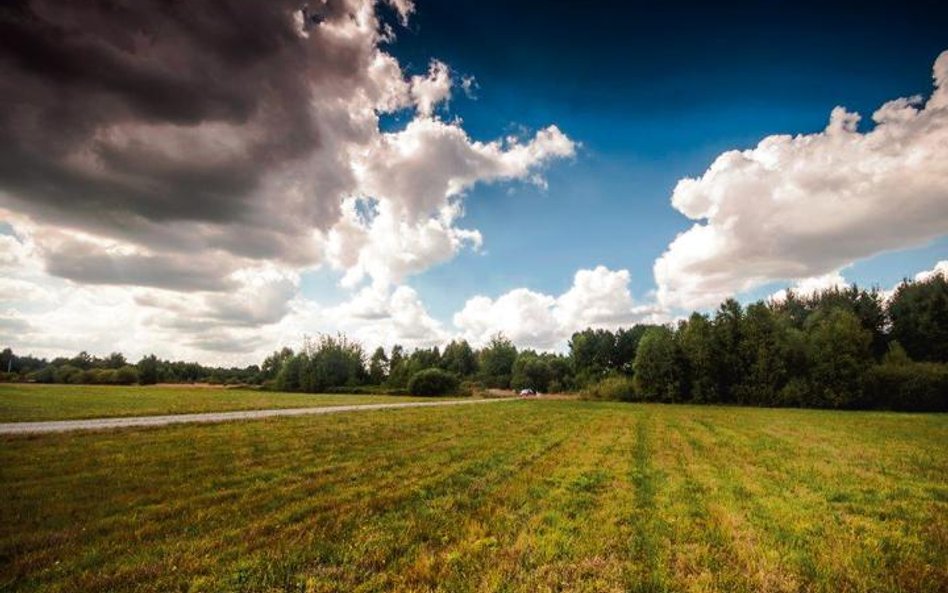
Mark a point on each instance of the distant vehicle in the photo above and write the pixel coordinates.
(527, 392)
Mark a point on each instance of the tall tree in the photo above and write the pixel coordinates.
(697, 344)
(919, 314)
(496, 361)
(838, 348)
(658, 368)
(378, 366)
(148, 370)
(459, 358)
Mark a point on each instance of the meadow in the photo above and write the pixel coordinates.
(514, 496)
(21, 402)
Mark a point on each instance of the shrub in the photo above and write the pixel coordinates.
(612, 388)
(911, 386)
(126, 375)
(432, 382)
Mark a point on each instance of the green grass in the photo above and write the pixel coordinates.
(27, 402)
(513, 496)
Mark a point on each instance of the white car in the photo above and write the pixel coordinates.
(527, 392)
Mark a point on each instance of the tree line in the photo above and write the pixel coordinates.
(115, 369)
(838, 348)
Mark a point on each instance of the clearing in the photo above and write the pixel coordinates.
(522, 496)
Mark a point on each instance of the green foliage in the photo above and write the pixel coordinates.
(398, 371)
(273, 363)
(838, 349)
(596, 353)
(531, 371)
(919, 315)
(148, 370)
(614, 388)
(378, 367)
(324, 363)
(433, 381)
(901, 384)
(697, 348)
(658, 366)
(496, 362)
(459, 358)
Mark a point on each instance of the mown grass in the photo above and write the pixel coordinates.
(512, 496)
(28, 402)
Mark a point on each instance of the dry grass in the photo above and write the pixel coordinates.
(519, 496)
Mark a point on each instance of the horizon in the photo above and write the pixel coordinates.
(213, 186)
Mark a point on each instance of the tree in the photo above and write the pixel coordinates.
(763, 354)
(531, 371)
(459, 358)
(593, 354)
(626, 344)
(697, 346)
(331, 362)
(83, 361)
(115, 360)
(728, 365)
(658, 366)
(148, 370)
(839, 354)
(433, 381)
(274, 362)
(398, 374)
(378, 366)
(919, 315)
(496, 361)
(288, 377)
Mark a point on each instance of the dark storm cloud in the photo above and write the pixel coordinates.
(88, 264)
(120, 117)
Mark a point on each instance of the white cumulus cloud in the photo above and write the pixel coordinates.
(598, 298)
(801, 206)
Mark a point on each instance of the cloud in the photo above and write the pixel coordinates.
(428, 91)
(416, 177)
(812, 286)
(800, 206)
(940, 269)
(170, 171)
(598, 298)
(229, 134)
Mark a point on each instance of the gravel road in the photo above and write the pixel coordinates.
(109, 423)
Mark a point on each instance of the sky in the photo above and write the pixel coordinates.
(213, 182)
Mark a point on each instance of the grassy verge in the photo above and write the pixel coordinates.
(519, 496)
(28, 402)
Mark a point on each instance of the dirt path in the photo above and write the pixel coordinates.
(107, 423)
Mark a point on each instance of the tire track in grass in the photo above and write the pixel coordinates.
(151, 524)
(842, 549)
(169, 548)
(566, 541)
(416, 525)
(759, 542)
(702, 555)
(646, 569)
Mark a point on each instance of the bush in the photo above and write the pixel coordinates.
(433, 382)
(912, 387)
(126, 375)
(612, 388)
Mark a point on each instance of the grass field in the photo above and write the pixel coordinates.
(27, 402)
(516, 496)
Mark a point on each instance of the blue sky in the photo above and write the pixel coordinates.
(653, 94)
(239, 176)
